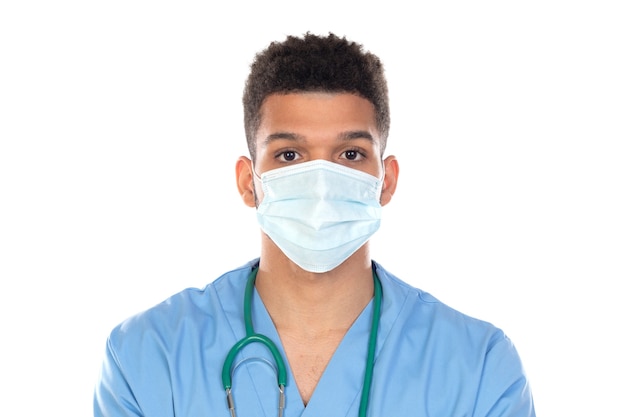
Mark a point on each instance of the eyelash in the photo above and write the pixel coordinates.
(358, 151)
(281, 155)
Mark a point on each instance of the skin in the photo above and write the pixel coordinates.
(313, 311)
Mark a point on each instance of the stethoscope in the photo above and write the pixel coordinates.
(281, 369)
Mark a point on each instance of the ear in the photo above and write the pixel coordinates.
(245, 180)
(392, 170)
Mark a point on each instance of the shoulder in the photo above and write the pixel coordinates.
(453, 354)
(143, 367)
(188, 311)
(419, 310)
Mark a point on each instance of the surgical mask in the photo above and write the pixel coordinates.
(319, 213)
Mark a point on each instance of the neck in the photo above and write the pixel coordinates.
(314, 303)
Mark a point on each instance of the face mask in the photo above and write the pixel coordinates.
(319, 213)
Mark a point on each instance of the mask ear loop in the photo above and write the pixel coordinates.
(258, 178)
(382, 180)
(254, 173)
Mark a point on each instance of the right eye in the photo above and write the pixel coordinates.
(288, 156)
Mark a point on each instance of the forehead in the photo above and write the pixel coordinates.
(316, 114)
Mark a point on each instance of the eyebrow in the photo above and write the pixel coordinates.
(283, 135)
(357, 134)
(349, 135)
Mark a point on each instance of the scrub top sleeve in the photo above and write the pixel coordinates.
(504, 389)
(113, 396)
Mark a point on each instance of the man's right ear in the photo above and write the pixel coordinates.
(245, 181)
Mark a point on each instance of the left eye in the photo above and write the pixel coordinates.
(352, 155)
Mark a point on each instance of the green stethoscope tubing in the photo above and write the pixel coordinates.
(252, 337)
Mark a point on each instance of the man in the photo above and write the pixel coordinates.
(355, 340)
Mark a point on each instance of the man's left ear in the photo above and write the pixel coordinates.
(392, 170)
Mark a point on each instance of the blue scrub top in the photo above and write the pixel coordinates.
(431, 361)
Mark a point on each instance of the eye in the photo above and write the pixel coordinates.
(353, 155)
(288, 156)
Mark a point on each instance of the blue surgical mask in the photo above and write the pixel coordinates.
(319, 213)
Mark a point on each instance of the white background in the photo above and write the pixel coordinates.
(120, 123)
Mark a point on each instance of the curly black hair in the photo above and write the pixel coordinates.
(314, 63)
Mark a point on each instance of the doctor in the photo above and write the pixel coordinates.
(313, 327)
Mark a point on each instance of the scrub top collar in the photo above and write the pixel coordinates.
(326, 399)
